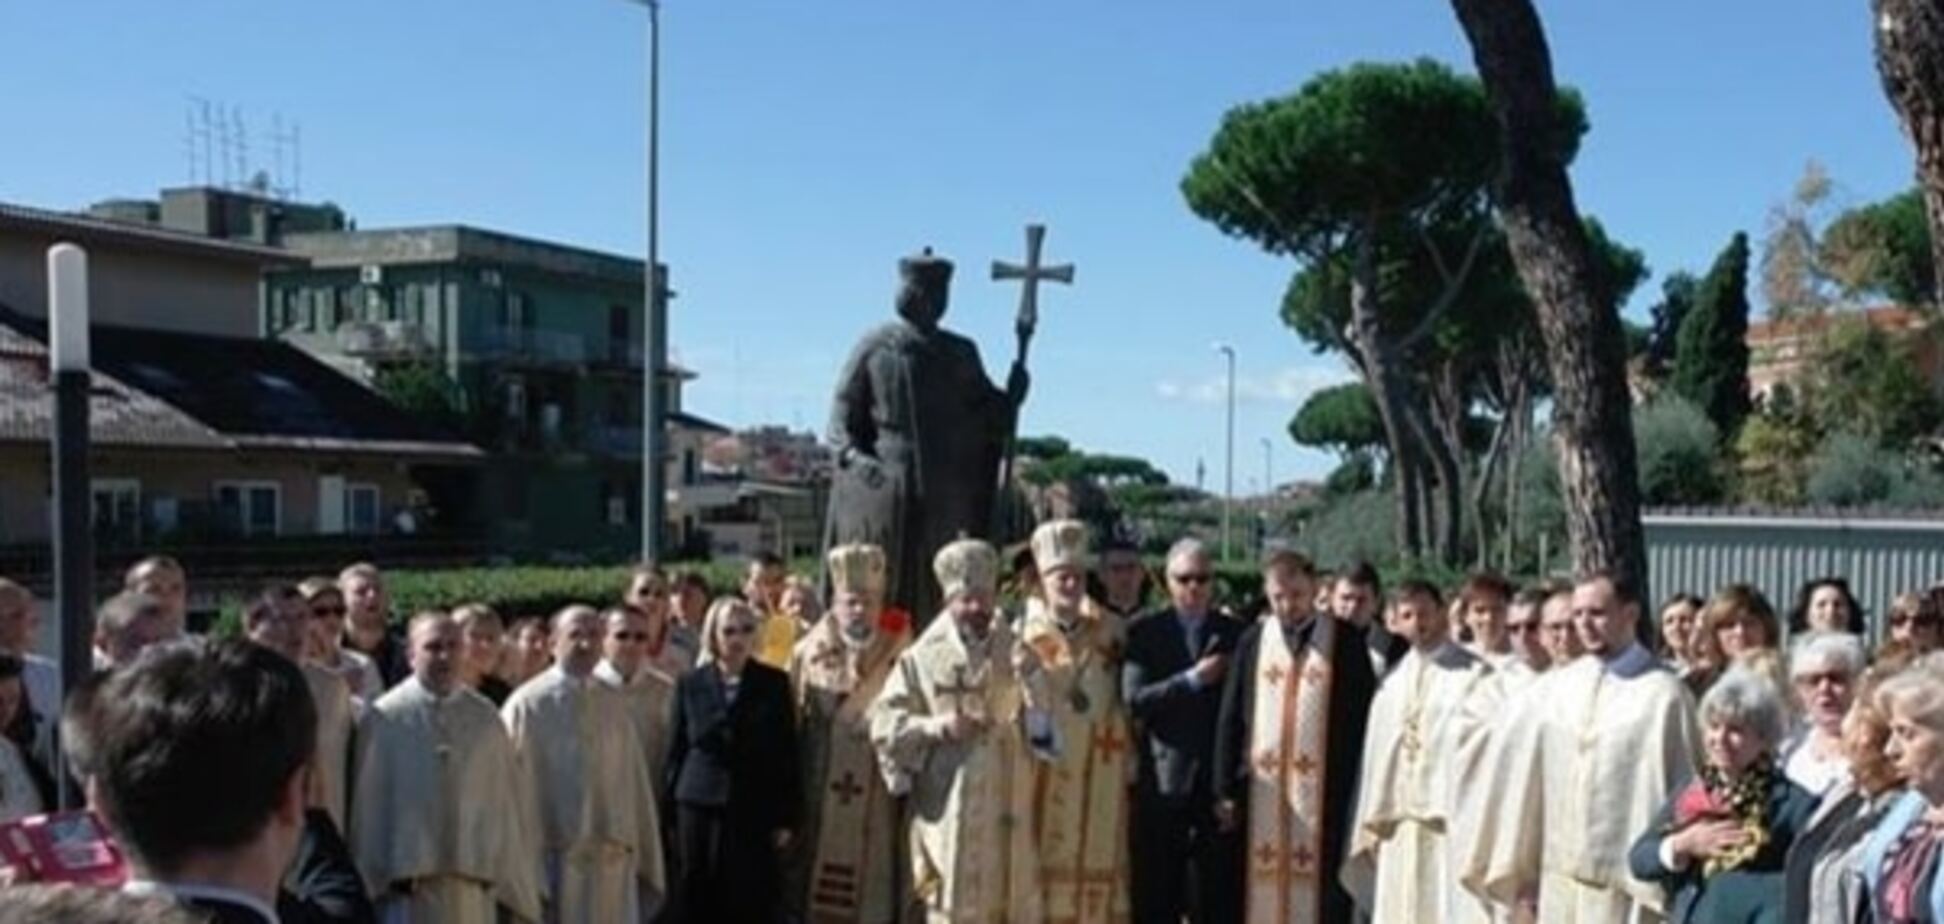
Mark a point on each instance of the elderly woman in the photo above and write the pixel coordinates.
(1824, 878)
(1719, 846)
(1823, 667)
(1899, 864)
(1826, 605)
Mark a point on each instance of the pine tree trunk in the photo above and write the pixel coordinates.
(1389, 391)
(1579, 325)
(1910, 59)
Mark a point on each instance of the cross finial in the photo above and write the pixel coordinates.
(1030, 273)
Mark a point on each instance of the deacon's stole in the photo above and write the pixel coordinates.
(851, 875)
(1081, 796)
(1288, 750)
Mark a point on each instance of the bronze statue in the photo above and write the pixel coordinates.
(919, 433)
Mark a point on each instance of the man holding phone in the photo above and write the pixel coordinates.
(1184, 863)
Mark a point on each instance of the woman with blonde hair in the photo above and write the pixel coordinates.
(1900, 863)
(1913, 626)
(1824, 878)
(1736, 622)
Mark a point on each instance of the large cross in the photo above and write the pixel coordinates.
(1030, 273)
(846, 788)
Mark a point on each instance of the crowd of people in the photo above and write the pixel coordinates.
(1090, 747)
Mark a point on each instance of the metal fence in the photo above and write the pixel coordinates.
(1881, 557)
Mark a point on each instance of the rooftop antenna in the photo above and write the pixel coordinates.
(189, 140)
(223, 148)
(277, 142)
(296, 160)
(201, 135)
(241, 134)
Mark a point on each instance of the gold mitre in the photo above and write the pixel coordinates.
(857, 568)
(1060, 544)
(965, 566)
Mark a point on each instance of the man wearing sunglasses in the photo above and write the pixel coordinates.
(1183, 861)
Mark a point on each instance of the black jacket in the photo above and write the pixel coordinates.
(745, 753)
(323, 885)
(1174, 720)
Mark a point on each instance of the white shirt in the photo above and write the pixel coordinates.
(1817, 773)
(191, 891)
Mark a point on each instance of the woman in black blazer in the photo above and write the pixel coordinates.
(732, 776)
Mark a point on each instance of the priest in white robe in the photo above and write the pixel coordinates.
(952, 728)
(1399, 865)
(437, 828)
(591, 804)
(852, 868)
(1576, 769)
(1083, 793)
(648, 692)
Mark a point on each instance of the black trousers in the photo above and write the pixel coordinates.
(727, 869)
(1183, 865)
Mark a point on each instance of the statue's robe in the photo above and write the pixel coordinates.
(918, 431)
(650, 698)
(437, 830)
(1082, 797)
(1288, 749)
(1578, 766)
(1399, 865)
(590, 801)
(851, 869)
(970, 803)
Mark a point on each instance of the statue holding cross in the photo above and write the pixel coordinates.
(922, 436)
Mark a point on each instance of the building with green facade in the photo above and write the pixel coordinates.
(530, 349)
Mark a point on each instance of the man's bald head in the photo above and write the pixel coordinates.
(131, 622)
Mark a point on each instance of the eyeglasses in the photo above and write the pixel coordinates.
(736, 630)
(1198, 577)
(631, 636)
(328, 612)
(1837, 678)
(1522, 628)
(1904, 619)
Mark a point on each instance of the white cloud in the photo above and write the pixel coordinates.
(1289, 385)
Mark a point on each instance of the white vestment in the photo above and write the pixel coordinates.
(437, 828)
(1398, 866)
(331, 761)
(650, 695)
(590, 802)
(1578, 766)
(971, 802)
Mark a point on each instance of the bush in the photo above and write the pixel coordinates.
(1353, 527)
(1850, 470)
(1677, 447)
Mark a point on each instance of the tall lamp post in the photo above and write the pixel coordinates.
(654, 327)
(1268, 469)
(67, 319)
(1228, 476)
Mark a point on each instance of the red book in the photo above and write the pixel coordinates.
(63, 847)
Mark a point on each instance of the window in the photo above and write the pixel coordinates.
(361, 507)
(514, 314)
(618, 339)
(116, 505)
(250, 508)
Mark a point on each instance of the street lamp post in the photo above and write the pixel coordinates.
(1228, 476)
(654, 326)
(1268, 469)
(67, 322)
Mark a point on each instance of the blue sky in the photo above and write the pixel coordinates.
(807, 145)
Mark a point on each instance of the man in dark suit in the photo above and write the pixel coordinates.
(1183, 863)
(197, 756)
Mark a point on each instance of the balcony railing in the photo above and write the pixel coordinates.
(530, 345)
(383, 339)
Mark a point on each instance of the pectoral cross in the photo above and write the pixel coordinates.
(846, 788)
(960, 690)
